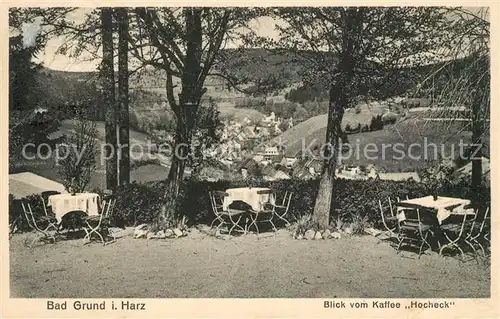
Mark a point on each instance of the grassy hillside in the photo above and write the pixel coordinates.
(48, 168)
(395, 138)
(316, 126)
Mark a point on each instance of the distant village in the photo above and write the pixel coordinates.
(247, 148)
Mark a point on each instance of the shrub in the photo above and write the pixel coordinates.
(16, 211)
(355, 202)
(302, 224)
(376, 123)
(78, 166)
(139, 203)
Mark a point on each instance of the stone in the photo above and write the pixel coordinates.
(169, 233)
(150, 235)
(177, 232)
(141, 231)
(161, 235)
(348, 230)
(184, 233)
(128, 231)
(141, 227)
(327, 234)
(300, 237)
(372, 231)
(335, 235)
(318, 236)
(309, 234)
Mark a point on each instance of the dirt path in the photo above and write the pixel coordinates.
(201, 266)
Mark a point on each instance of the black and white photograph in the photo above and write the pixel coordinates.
(248, 152)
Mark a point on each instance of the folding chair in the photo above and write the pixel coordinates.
(15, 216)
(265, 215)
(282, 209)
(390, 222)
(413, 231)
(45, 200)
(99, 224)
(455, 235)
(478, 231)
(230, 218)
(50, 222)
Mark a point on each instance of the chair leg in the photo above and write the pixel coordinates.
(254, 218)
(100, 236)
(283, 219)
(235, 223)
(213, 221)
(421, 246)
(468, 242)
(272, 224)
(399, 244)
(222, 223)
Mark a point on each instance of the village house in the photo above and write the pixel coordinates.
(247, 166)
(275, 130)
(262, 132)
(288, 161)
(302, 173)
(271, 119)
(400, 176)
(272, 174)
(312, 166)
(270, 152)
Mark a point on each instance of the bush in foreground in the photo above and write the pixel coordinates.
(355, 199)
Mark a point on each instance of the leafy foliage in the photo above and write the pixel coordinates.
(355, 200)
(207, 133)
(80, 148)
(23, 94)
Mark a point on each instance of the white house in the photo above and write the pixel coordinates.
(269, 119)
(270, 151)
(288, 161)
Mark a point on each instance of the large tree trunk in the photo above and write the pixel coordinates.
(189, 100)
(339, 100)
(124, 142)
(330, 153)
(108, 84)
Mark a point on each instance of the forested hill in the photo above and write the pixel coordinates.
(270, 69)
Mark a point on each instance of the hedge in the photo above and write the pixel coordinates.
(140, 202)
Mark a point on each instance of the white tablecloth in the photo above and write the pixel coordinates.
(249, 196)
(440, 205)
(64, 203)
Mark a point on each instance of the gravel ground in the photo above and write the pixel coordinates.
(272, 266)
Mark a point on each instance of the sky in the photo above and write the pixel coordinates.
(264, 26)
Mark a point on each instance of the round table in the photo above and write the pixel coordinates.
(248, 195)
(64, 203)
